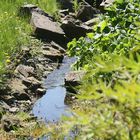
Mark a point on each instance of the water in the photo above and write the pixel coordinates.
(51, 106)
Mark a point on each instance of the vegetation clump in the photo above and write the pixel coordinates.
(109, 97)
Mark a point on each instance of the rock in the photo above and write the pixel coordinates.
(73, 79)
(4, 105)
(64, 12)
(40, 92)
(9, 100)
(106, 3)
(21, 96)
(31, 63)
(58, 47)
(54, 55)
(13, 110)
(94, 2)
(27, 9)
(32, 83)
(40, 68)
(25, 49)
(47, 29)
(45, 74)
(92, 22)
(90, 2)
(17, 86)
(24, 70)
(86, 12)
(41, 12)
(75, 31)
(42, 59)
(9, 123)
(66, 4)
(4, 90)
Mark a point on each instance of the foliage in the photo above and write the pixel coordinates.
(108, 105)
(116, 33)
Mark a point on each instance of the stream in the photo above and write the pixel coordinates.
(51, 107)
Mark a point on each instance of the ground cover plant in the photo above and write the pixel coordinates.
(109, 97)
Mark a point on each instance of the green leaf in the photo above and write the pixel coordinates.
(119, 1)
(102, 25)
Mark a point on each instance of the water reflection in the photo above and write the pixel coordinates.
(51, 107)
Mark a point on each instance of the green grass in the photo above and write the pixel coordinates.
(15, 31)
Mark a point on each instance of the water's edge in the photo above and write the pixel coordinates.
(51, 106)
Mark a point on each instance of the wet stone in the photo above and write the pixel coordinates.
(73, 78)
(40, 92)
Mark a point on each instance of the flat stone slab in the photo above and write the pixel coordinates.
(75, 31)
(45, 26)
(74, 77)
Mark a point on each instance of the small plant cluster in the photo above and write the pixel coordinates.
(108, 106)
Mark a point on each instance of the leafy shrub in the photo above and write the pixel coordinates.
(108, 105)
(116, 33)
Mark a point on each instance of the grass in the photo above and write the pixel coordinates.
(15, 31)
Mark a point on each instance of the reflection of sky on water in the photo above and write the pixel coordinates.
(51, 106)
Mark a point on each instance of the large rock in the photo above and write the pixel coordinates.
(74, 31)
(86, 12)
(73, 79)
(47, 29)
